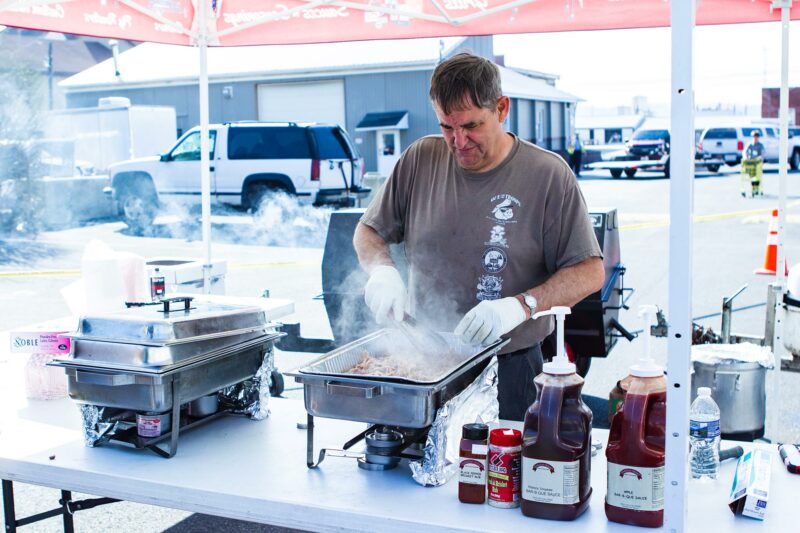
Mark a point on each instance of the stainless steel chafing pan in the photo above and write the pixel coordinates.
(332, 393)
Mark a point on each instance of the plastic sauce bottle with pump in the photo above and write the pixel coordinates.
(556, 450)
(636, 442)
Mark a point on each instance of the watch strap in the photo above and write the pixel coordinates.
(525, 307)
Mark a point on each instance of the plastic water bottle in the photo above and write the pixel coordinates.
(704, 435)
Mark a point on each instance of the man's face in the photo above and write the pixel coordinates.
(475, 135)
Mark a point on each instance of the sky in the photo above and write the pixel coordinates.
(609, 68)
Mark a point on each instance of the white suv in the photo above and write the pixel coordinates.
(248, 160)
(727, 143)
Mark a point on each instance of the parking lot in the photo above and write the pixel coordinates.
(729, 240)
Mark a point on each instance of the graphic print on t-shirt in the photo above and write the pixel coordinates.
(489, 287)
(503, 210)
(495, 255)
(497, 237)
(494, 260)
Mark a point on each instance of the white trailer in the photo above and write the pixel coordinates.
(91, 139)
(113, 131)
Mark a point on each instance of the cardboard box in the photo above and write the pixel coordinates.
(750, 491)
(36, 341)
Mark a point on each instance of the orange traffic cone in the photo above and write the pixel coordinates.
(771, 253)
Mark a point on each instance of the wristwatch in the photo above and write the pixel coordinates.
(528, 302)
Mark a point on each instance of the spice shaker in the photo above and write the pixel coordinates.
(472, 463)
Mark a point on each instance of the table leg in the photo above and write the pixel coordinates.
(66, 497)
(8, 506)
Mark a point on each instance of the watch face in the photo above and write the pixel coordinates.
(530, 301)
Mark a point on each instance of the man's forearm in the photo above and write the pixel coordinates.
(570, 285)
(370, 247)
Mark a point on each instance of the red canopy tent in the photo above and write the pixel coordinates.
(248, 22)
(251, 22)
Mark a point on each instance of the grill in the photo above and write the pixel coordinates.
(151, 361)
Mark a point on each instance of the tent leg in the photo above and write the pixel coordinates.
(680, 264)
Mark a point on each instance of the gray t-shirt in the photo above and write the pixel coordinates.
(472, 236)
(753, 150)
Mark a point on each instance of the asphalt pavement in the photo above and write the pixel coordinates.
(729, 243)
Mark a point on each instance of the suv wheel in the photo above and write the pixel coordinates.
(713, 168)
(616, 172)
(794, 161)
(260, 191)
(138, 205)
(630, 172)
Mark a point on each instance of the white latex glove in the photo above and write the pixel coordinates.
(490, 319)
(385, 294)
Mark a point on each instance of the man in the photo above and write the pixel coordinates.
(752, 165)
(493, 227)
(575, 152)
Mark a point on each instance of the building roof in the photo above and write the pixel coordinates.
(384, 120)
(518, 85)
(151, 64)
(70, 54)
(608, 121)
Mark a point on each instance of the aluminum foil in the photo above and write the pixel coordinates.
(99, 423)
(476, 403)
(723, 354)
(251, 397)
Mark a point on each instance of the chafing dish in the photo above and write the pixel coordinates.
(400, 410)
(332, 393)
(153, 359)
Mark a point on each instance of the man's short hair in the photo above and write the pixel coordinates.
(465, 79)
(755, 133)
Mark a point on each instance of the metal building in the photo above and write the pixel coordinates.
(378, 90)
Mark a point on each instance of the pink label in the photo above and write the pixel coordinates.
(148, 426)
(51, 342)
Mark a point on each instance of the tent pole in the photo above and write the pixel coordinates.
(205, 175)
(783, 162)
(680, 264)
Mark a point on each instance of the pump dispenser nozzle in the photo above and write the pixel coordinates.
(560, 364)
(647, 367)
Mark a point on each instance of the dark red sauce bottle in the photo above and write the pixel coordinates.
(636, 443)
(636, 455)
(556, 450)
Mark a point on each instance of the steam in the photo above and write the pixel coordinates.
(20, 110)
(280, 220)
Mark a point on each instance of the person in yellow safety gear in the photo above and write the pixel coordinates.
(753, 165)
(575, 153)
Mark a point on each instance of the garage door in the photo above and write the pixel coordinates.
(302, 102)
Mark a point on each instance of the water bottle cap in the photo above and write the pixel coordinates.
(704, 391)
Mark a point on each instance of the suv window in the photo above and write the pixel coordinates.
(331, 143)
(794, 132)
(720, 133)
(189, 148)
(747, 132)
(650, 135)
(268, 143)
(770, 132)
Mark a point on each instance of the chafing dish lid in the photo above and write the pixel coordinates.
(175, 320)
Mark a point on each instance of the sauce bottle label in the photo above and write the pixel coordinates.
(472, 472)
(638, 488)
(550, 481)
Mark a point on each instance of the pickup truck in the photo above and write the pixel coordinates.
(317, 163)
(648, 149)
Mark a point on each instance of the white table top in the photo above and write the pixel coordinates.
(239, 468)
